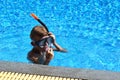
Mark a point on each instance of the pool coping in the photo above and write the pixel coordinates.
(58, 71)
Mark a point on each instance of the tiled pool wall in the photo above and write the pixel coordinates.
(87, 28)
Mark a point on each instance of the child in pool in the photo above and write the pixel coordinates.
(42, 51)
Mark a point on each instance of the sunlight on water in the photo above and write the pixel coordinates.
(88, 29)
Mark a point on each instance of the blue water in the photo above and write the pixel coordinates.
(88, 29)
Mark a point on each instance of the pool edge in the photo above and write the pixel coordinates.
(58, 71)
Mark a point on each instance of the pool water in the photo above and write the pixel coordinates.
(88, 29)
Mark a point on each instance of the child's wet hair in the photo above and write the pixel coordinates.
(39, 31)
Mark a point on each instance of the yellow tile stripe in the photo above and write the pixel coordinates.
(20, 76)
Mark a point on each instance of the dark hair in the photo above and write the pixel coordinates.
(38, 30)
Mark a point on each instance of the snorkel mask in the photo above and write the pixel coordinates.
(45, 41)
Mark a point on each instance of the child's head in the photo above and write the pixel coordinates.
(38, 32)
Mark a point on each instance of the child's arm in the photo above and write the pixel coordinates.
(57, 47)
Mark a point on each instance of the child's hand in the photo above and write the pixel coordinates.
(52, 35)
(58, 48)
(63, 50)
(35, 60)
(49, 54)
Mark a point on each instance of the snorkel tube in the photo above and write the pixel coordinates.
(36, 18)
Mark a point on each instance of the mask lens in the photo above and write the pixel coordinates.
(42, 42)
(50, 40)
